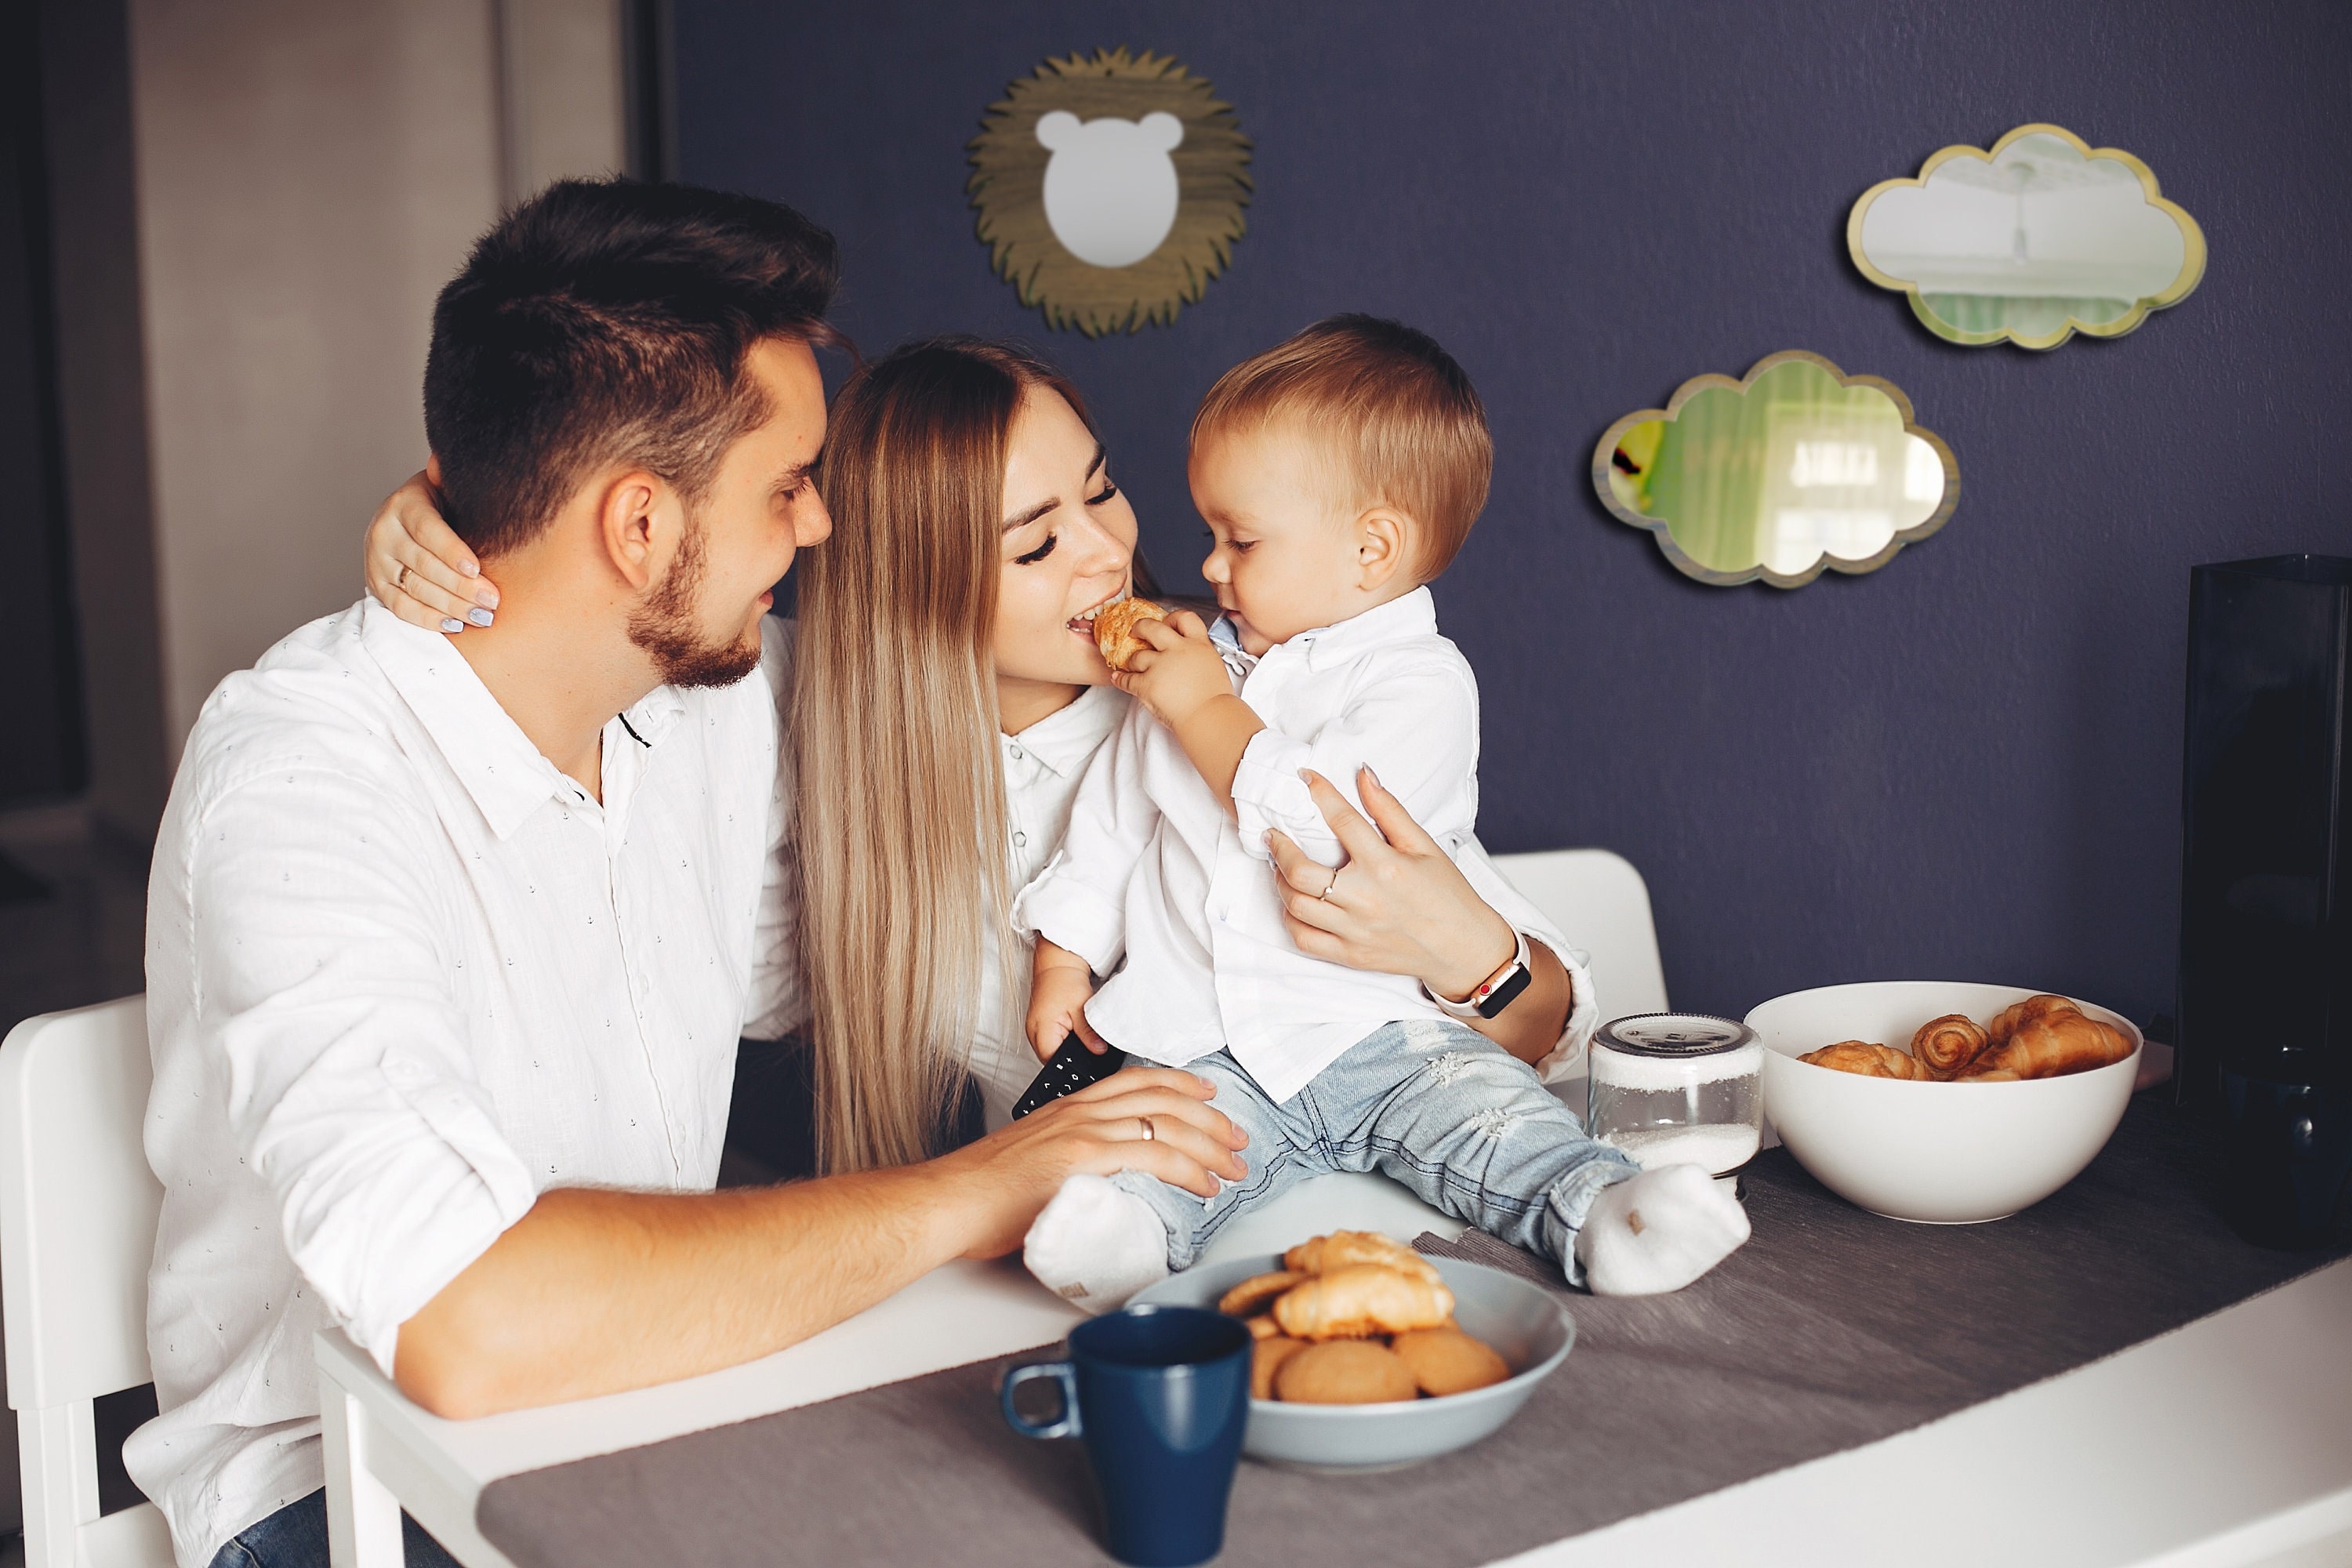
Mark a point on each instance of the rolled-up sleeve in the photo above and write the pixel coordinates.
(1584, 1006)
(1415, 725)
(351, 1090)
(1079, 900)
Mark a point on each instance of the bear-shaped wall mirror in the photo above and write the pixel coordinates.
(1110, 189)
(1794, 468)
(2033, 241)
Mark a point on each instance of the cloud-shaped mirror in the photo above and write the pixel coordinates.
(1796, 468)
(2041, 237)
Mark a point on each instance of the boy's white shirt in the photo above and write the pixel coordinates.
(1154, 872)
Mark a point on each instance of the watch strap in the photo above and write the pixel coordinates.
(1499, 991)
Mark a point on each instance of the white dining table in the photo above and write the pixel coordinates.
(2224, 1444)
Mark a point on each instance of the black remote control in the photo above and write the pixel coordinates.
(1073, 1067)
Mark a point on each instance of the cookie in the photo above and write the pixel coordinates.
(1344, 1372)
(1255, 1293)
(1266, 1357)
(1448, 1361)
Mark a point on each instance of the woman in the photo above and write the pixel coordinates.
(947, 696)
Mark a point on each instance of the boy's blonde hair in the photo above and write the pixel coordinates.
(1408, 430)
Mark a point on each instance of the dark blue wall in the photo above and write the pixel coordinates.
(1965, 765)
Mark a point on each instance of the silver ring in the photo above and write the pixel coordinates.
(1326, 893)
(1149, 1135)
(402, 580)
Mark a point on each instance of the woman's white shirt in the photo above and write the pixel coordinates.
(1042, 767)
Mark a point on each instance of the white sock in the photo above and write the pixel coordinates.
(1095, 1244)
(1658, 1232)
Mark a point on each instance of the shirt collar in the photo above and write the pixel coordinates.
(507, 776)
(1413, 616)
(1062, 740)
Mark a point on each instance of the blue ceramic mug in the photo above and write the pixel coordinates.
(1159, 1396)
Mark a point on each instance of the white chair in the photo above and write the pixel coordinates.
(77, 1207)
(1601, 903)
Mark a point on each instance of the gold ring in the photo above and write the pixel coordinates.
(1326, 893)
(402, 581)
(1149, 1135)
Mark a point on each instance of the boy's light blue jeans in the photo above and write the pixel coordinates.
(1429, 1102)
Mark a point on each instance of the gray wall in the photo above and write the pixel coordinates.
(1965, 765)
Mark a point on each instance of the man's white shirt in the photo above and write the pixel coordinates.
(1154, 873)
(403, 976)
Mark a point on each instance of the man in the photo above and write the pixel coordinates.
(450, 943)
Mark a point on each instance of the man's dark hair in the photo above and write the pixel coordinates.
(606, 322)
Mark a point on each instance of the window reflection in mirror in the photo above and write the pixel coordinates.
(1796, 469)
(2039, 239)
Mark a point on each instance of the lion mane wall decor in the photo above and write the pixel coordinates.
(1110, 189)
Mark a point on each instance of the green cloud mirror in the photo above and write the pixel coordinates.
(2039, 239)
(1795, 469)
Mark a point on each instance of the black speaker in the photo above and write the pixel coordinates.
(2266, 980)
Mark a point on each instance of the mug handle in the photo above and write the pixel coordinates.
(1066, 1425)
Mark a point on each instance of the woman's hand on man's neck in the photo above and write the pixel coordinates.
(560, 661)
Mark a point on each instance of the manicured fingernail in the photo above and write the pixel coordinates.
(479, 615)
(486, 595)
(449, 625)
(1373, 776)
(470, 568)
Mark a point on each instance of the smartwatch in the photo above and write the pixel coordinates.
(1499, 991)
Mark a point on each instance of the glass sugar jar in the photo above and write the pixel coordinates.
(1676, 1088)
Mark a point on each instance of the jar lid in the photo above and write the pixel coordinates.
(1674, 1036)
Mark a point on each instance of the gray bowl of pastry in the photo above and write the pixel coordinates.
(1523, 1321)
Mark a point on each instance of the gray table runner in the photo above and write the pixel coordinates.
(1832, 1329)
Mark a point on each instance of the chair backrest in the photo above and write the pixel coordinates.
(78, 1209)
(1601, 903)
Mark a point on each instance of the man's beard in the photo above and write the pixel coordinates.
(665, 628)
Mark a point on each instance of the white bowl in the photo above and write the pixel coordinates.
(1525, 1323)
(1940, 1154)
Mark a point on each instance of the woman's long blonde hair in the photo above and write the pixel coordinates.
(902, 813)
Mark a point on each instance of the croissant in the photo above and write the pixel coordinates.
(1946, 1046)
(1114, 629)
(2059, 1041)
(1362, 1299)
(2005, 1023)
(1255, 1293)
(1871, 1061)
(1345, 1248)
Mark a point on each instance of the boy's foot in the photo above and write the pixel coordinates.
(1658, 1231)
(1095, 1244)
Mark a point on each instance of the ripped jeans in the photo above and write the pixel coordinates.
(1429, 1102)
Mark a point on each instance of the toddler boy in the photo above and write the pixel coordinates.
(1337, 472)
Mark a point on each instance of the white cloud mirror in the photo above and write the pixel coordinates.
(2038, 238)
(1796, 469)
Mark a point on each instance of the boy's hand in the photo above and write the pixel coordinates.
(1179, 672)
(1058, 991)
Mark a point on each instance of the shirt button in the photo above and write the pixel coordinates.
(1017, 754)
(1019, 839)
